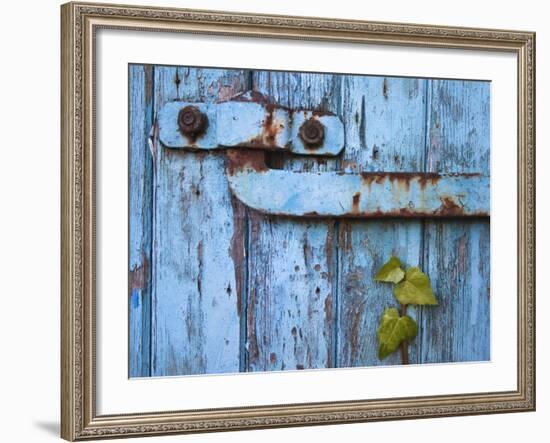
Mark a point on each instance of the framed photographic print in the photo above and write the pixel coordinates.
(281, 221)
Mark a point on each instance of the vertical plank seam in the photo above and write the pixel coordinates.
(336, 291)
(150, 276)
(130, 356)
(141, 368)
(152, 365)
(243, 325)
(336, 257)
(423, 256)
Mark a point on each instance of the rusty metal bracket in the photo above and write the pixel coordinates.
(363, 195)
(247, 126)
(249, 121)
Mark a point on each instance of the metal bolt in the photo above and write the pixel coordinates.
(312, 133)
(192, 121)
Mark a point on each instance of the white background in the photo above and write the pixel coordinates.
(29, 226)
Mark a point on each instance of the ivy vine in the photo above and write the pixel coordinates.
(411, 287)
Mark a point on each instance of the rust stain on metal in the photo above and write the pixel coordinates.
(428, 177)
(312, 214)
(192, 123)
(450, 207)
(397, 213)
(312, 133)
(369, 178)
(239, 159)
(404, 212)
(271, 128)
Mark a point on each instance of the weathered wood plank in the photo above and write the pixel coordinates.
(198, 243)
(291, 299)
(457, 253)
(140, 213)
(385, 121)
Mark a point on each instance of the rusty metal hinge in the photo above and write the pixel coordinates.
(249, 121)
(248, 126)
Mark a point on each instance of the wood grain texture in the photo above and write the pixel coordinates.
(457, 252)
(140, 219)
(196, 303)
(290, 309)
(385, 121)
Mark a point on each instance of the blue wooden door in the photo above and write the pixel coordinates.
(217, 287)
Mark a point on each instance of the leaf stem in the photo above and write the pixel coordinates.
(404, 346)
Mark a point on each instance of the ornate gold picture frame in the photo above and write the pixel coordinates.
(80, 22)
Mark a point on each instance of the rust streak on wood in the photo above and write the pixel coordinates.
(139, 276)
(237, 249)
(253, 350)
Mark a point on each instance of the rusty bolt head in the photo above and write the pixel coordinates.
(192, 121)
(312, 133)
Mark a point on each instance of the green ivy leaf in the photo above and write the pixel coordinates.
(393, 330)
(416, 289)
(391, 271)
